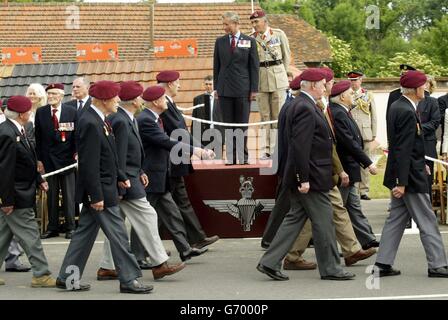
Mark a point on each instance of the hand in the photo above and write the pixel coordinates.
(44, 186)
(144, 179)
(428, 170)
(252, 96)
(198, 152)
(76, 156)
(398, 191)
(124, 185)
(40, 167)
(372, 169)
(345, 180)
(99, 206)
(8, 210)
(304, 187)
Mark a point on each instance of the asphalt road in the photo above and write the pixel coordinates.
(227, 272)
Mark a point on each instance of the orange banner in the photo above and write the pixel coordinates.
(21, 55)
(176, 48)
(96, 51)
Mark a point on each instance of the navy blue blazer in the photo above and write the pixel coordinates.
(130, 153)
(157, 146)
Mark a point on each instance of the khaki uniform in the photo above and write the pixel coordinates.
(272, 46)
(364, 114)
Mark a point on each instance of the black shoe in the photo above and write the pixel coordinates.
(343, 275)
(274, 274)
(371, 244)
(194, 252)
(144, 265)
(69, 234)
(387, 272)
(365, 197)
(82, 287)
(438, 272)
(21, 268)
(265, 245)
(205, 242)
(49, 234)
(265, 156)
(136, 288)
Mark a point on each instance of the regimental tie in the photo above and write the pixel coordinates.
(80, 104)
(108, 126)
(55, 119)
(233, 44)
(22, 131)
(160, 123)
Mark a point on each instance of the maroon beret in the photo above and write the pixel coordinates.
(129, 90)
(153, 93)
(257, 14)
(295, 83)
(313, 74)
(355, 75)
(329, 74)
(413, 79)
(340, 87)
(104, 90)
(19, 104)
(167, 76)
(55, 86)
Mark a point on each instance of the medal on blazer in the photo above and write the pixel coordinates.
(63, 136)
(106, 132)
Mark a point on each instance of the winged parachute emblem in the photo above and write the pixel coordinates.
(246, 209)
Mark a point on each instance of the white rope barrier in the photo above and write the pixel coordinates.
(191, 108)
(224, 124)
(60, 170)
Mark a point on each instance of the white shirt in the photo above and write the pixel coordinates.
(412, 102)
(102, 116)
(58, 113)
(2, 118)
(212, 104)
(237, 37)
(309, 95)
(130, 115)
(18, 125)
(156, 115)
(84, 101)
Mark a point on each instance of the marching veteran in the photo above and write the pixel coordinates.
(18, 165)
(274, 55)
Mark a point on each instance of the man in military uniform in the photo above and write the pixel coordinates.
(364, 114)
(274, 55)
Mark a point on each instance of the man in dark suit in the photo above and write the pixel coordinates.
(406, 176)
(429, 112)
(134, 205)
(204, 132)
(308, 175)
(97, 190)
(18, 166)
(395, 94)
(80, 92)
(174, 125)
(157, 146)
(443, 105)
(235, 76)
(55, 146)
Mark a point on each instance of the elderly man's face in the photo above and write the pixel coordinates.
(259, 24)
(348, 97)
(356, 84)
(174, 88)
(54, 97)
(229, 26)
(80, 89)
(208, 85)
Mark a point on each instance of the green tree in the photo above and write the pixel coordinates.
(341, 56)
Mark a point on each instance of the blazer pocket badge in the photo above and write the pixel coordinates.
(244, 44)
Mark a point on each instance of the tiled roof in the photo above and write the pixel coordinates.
(25, 74)
(45, 25)
(129, 25)
(308, 45)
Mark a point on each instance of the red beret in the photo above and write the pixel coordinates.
(19, 104)
(55, 86)
(295, 83)
(167, 76)
(104, 90)
(413, 79)
(257, 14)
(129, 90)
(153, 93)
(355, 75)
(340, 87)
(313, 74)
(329, 74)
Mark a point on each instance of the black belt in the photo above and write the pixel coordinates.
(267, 64)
